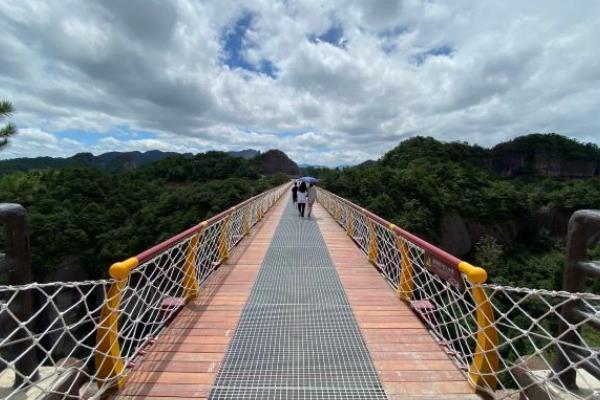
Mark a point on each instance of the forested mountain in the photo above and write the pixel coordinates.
(510, 219)
(114, 161)
(247, 154)
(277, 161)
(82, 219)
(453, 195)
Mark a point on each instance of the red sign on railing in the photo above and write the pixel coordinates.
(447, 272)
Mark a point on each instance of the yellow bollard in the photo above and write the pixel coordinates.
(350, 223)
(190, 278)
(373, 251)
(246, 221)
(405, 280)
(224, 240)
(107, 357)
(485, 360)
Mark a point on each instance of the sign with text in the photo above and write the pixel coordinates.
(449, 273)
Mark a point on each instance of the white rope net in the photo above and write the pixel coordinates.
(527, 348)
(54, 352)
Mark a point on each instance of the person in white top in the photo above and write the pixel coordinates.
(311, 197)
(302, 191)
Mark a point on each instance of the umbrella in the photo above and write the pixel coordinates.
(309, 179)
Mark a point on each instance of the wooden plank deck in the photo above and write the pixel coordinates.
(409, 361)
(187, 357)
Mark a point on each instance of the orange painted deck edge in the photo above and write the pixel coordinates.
(409, 361)
(185, 360)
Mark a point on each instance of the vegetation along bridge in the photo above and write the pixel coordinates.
(259, 303)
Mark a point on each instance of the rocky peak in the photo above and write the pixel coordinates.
(276, 161)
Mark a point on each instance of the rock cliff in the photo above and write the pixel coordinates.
(276, 161)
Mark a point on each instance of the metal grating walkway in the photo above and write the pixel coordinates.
(297, 337)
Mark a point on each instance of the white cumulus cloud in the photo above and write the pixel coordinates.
(330, 82)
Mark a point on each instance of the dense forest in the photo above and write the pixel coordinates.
(461, 197)
(82, 219)
(504, 208)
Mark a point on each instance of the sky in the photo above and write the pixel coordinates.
(331, 82)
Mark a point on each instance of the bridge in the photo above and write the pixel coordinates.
(258, 302)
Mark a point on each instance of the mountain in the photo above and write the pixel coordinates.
(504, 208)
(549, 155)
(275, 161)
(247, 154)
(536, 155)
(114, 161)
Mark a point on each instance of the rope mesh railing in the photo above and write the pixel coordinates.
(506, 340)
(86, 336)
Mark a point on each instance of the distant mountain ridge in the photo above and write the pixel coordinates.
(536, 155)
(114, 161)
(246, 154)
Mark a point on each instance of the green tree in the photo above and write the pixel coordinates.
(6, 109)
(488, 252)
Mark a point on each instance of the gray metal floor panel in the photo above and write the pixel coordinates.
(297, 337)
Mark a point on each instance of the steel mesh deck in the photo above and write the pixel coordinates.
(297, 337)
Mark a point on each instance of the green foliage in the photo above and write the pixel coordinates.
(100, 218)
(421, 180)
(488, 253)
(552, 143)
(6, 131)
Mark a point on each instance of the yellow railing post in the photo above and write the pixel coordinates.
(260, 210)
(224, 240)
(485, 360)
(337, 213)
(405, 280)
(349, 222)
(373, 251)
(190, 277)
(246, 221)
(108, 360)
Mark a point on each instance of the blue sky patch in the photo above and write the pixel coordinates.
(389, 37)
(121, 132)
(443, 50)
(333, 36)
(234, 48)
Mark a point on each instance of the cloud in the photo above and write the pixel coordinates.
(336, 81)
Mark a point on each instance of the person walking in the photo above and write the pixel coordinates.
(295, 193)
(302, 198)
(311, 197)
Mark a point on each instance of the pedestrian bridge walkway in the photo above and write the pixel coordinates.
(298, 312)
(259, 303)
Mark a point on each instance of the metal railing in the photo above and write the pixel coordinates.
(491, 332)
(93, 332)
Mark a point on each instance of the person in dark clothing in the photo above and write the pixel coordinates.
(295, 193)
(302, 191)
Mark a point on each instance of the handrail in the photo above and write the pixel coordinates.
(485, 359)
(473, 273)
(110, 364)
(120, 269)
